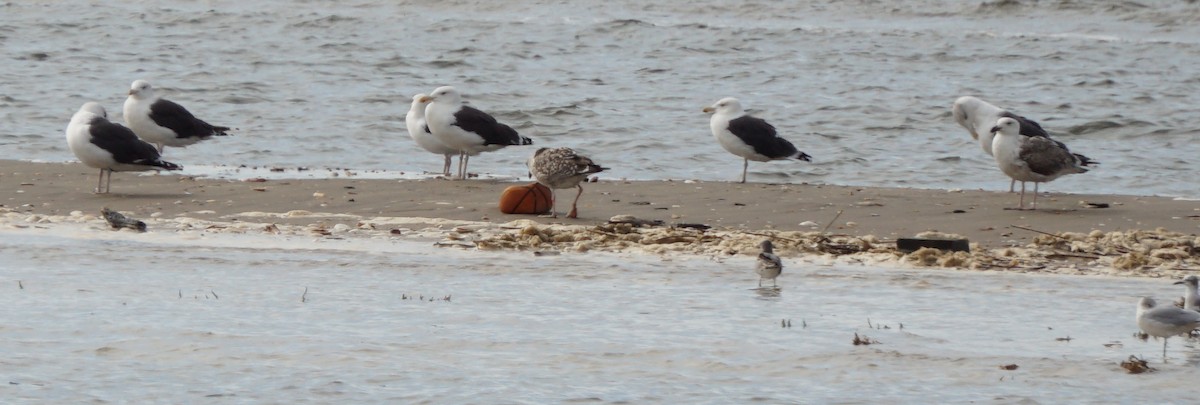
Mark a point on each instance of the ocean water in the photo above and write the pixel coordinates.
(863, 86)
(98, 316)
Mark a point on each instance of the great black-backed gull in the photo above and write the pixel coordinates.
(466, 129)
(769, 265)
(110, 147)
(748, 137)
(1031, 158)
(559, 168)
(979, 116)
(1165, 321)
(162, 122)
(419, 131)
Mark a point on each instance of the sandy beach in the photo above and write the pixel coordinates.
(790, 211)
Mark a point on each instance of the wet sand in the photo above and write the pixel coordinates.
(983, 217)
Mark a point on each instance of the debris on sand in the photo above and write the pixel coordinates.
(1135, 365)
(117, 221)
(864, 340)
(1140, 253)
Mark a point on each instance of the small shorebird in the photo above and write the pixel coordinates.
(769, 265)
(162, 122)
(562, 168)
(1029, 158)
(978, 116)
(101, 144)
(748, 137)
(466, 129)
(419, 131)
(1191, 301)
(1165, 321)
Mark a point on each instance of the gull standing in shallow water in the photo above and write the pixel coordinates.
(101, 144)
(1029, 158)
(465, 129)
(1165, 321)
(419, 131)
(769, 265)
(162, 122)
(562, 168)
(749, 137)
(979, 116)
(1191, 301)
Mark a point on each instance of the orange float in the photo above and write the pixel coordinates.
(532, 198)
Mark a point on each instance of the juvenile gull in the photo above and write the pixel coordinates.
(562, 168)
(466, 129)
(978, 116)
(1165, 321)
(1029, 158)
(109, 147)
(162, 122)
(769, 266)
(419, 131)
(748, 137)
(1191, 301)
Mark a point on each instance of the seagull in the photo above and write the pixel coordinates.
(101, 144)
(748, 137)
(562, 168)
(1165, 321)
(977, 116)
(769, 266)
(419, 131)
(465, 129)
(1191, 301)
(1030, 158)
(162, 122)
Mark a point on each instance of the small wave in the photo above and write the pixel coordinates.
(325, 22)
(1093, 126)
(442, 63)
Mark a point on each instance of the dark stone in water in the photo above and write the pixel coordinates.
(909, 245)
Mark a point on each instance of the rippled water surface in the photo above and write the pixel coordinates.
(98, 316)
(863, 86)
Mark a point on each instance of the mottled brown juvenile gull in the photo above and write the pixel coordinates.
(465, 129)
(1030, 158)
(749, 137)
(1165, 321)
(101, 144)
(979, 116)
(562, 168)
(162, 122)
(419, 131)
(769, 265)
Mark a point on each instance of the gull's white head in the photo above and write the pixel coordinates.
(141, 89)
(725, 106)
(1190, 281)
(445, 95)
(1146, 303)
(93, 107)
(964, 108)
(1007, 126)
(419, 102)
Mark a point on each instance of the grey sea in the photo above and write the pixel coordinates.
(863, 86)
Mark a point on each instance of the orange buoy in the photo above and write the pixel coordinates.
(532, 198)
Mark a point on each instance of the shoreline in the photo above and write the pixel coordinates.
(739, 215)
